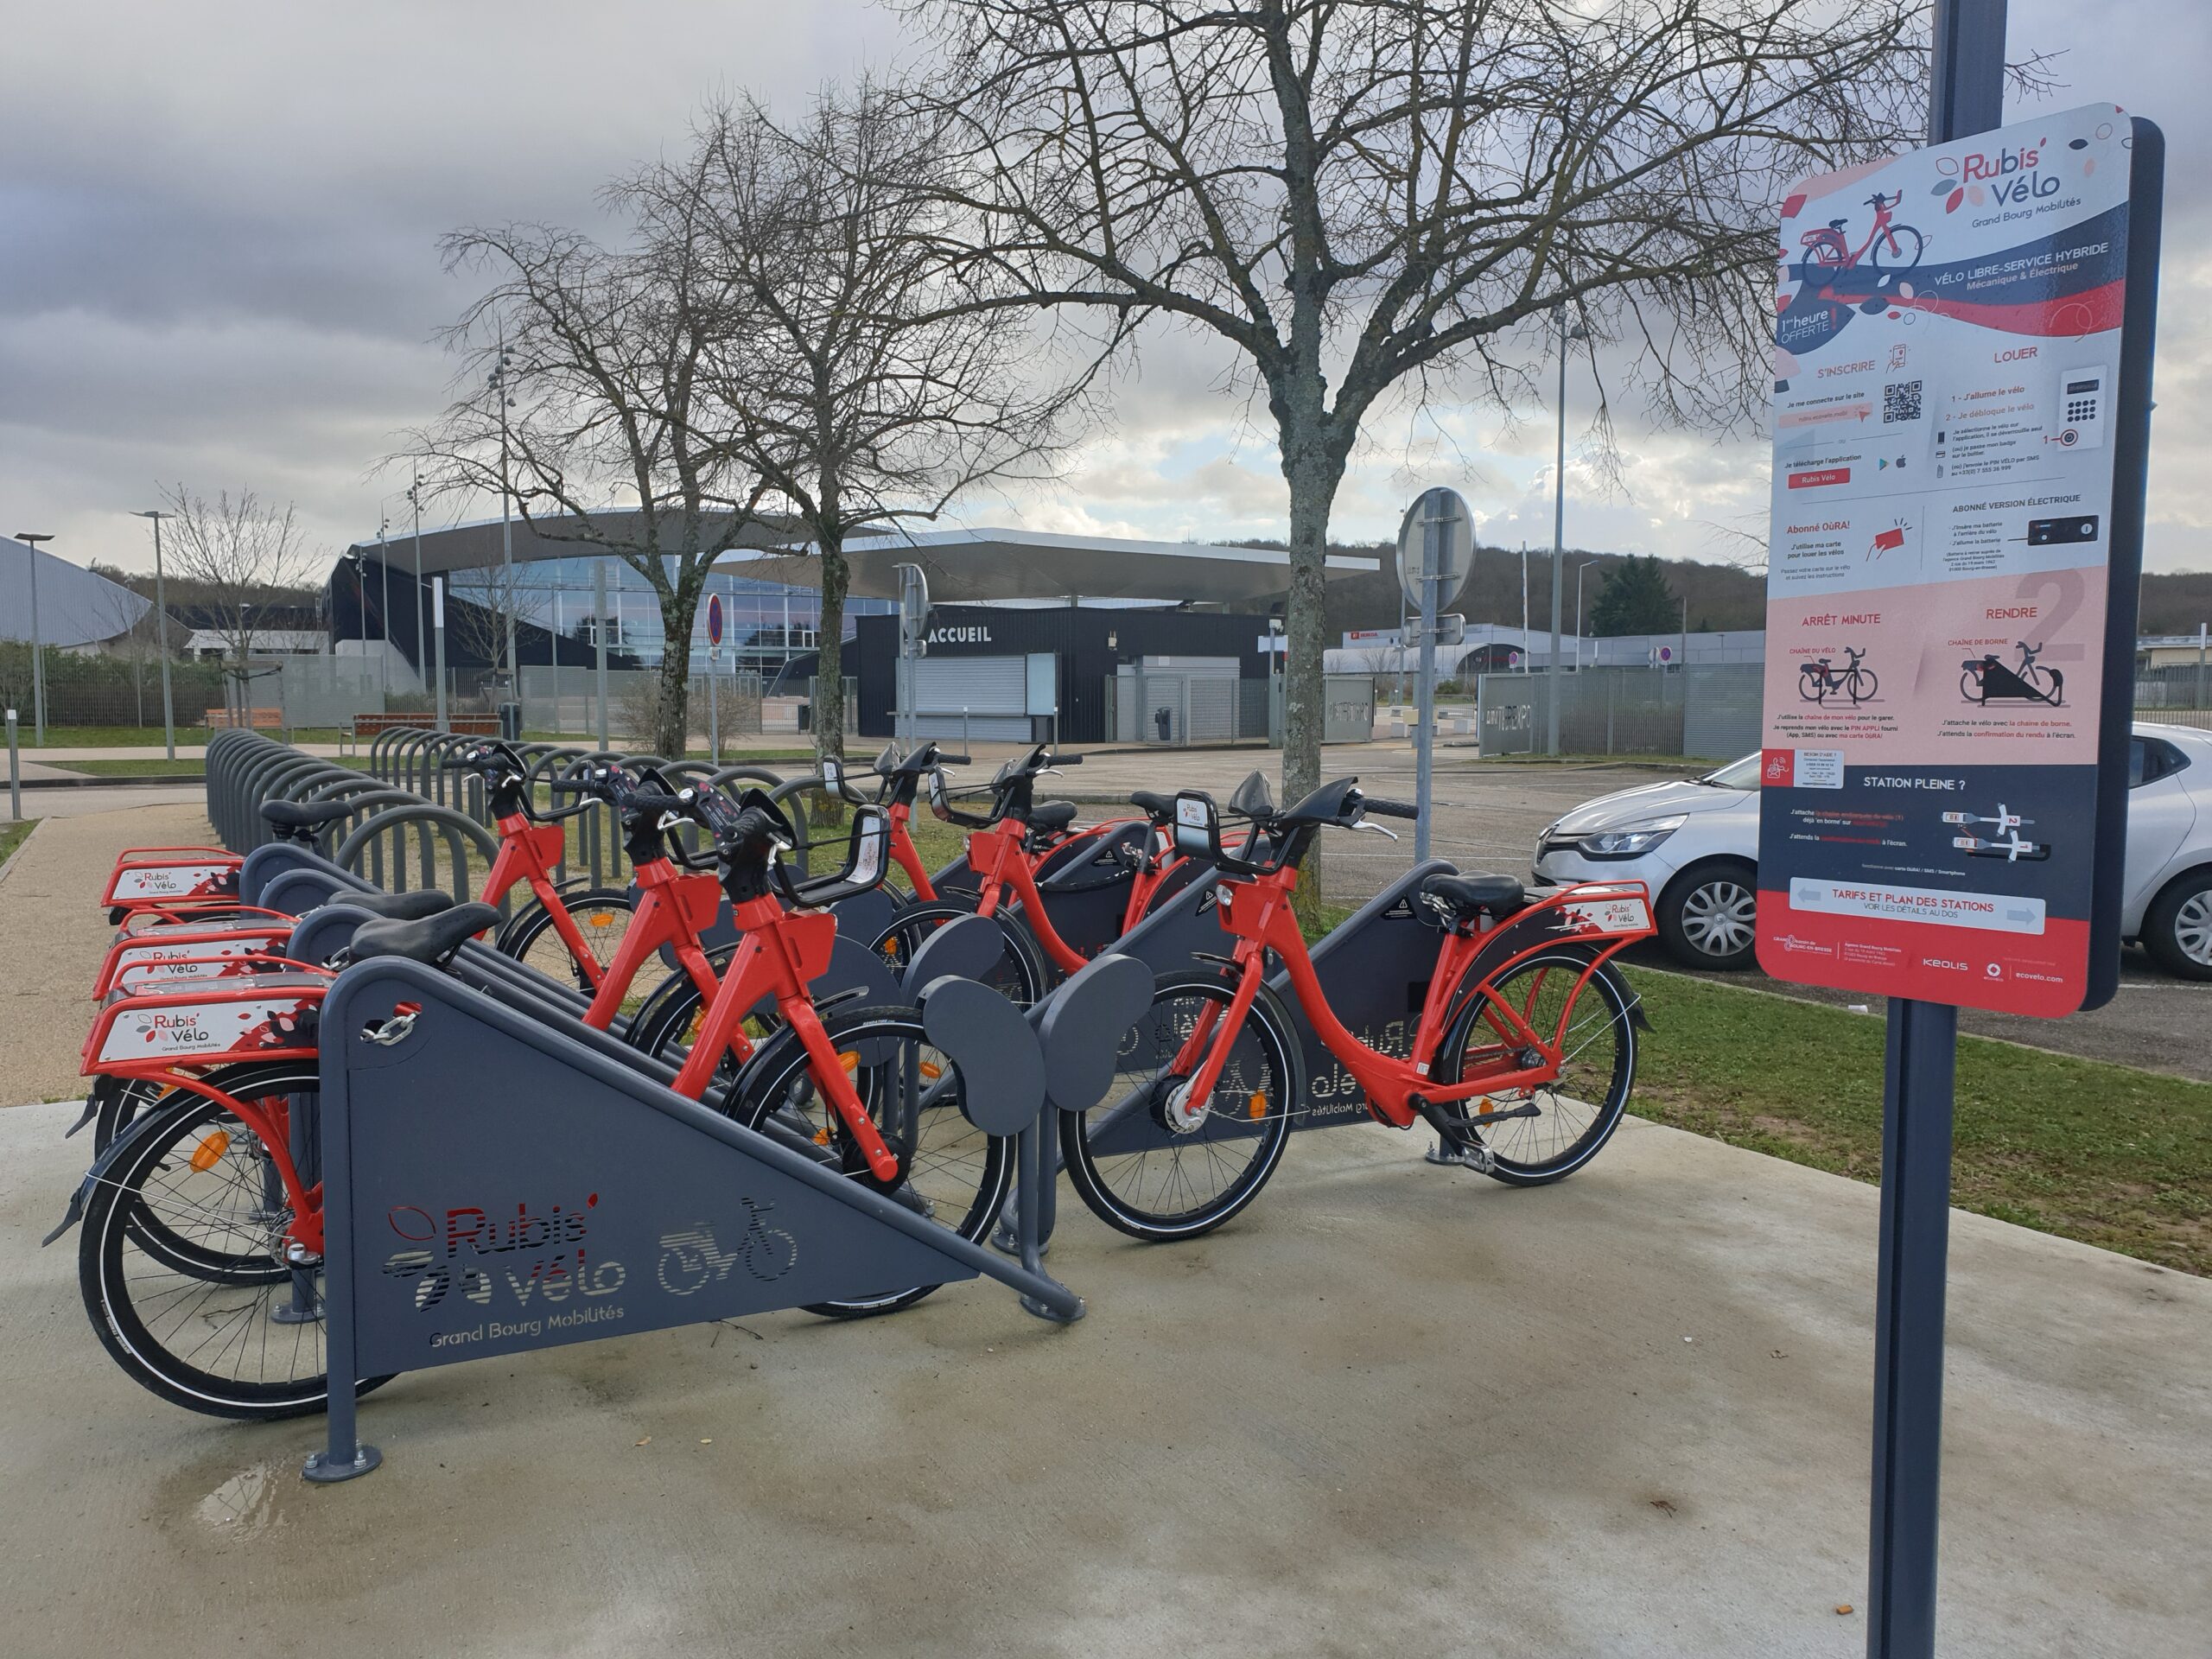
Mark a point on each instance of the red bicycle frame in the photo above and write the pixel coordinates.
(1258, 912)
(780, 953)
(999, 861)
(673, 906)
(904, 854)
(529, 853)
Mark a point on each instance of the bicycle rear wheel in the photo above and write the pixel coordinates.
(950, 1170)
(1148, 1165)
(216, 1341)
(1579, 1110)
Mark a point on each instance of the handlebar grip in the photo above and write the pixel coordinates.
(1388, 808)
(1067, 760)
(944, 759)
(652, 800)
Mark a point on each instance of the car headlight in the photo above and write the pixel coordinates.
(1631, 841)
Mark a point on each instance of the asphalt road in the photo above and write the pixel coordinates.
(1488, 816)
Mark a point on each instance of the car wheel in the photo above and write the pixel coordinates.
(1707, 914)
(2178, 931)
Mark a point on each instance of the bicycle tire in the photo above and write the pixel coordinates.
(1970, 687)
(1021, 981)
(119, 1100)
(1859, 678)
(1266, 1061)
(950, 1165)
(126, 1308)
(1812, 685)
(1902, 235)
(528, 931)
(1614, 1020)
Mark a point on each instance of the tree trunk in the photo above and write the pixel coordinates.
(679, 609)
(829, 660)
(1313, 472)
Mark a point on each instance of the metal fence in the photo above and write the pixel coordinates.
(1710, 711)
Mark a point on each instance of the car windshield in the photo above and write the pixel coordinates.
(1742, 774)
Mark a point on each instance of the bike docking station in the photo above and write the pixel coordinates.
(1989, 529)
(499, 1178)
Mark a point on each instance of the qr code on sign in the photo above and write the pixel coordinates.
(1900, 402)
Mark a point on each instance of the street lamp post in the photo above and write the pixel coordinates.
(1559, 531)
(162, 643)
(38, 643)
(383, 630)
(499, 385)
(415, 501)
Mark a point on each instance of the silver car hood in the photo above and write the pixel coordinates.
(1644, 803)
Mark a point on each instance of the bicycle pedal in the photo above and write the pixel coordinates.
(1476, 1157)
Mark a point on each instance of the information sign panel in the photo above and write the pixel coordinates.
(1950, 564)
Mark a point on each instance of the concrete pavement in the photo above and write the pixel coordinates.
(1393, 1409)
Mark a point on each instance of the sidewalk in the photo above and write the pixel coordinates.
(58, 934)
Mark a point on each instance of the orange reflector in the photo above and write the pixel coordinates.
(1484, 1107)
(822, 1137)
(1257, 1106)
(602, 919)
(931, 1070)
(850, 1060)
(210, 1151)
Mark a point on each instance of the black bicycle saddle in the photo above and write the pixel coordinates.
(1051, 815)
(1160, 809)
(303, 814)
(432, 939)
(411, 906)
(1469, 896)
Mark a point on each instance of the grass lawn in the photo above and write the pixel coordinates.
(2110, 1156)
(126, 737)
(156, 767)
(11, 836)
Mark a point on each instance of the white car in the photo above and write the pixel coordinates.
(1695, 842)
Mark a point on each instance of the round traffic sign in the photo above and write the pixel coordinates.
(1438, 537)
(713, 618)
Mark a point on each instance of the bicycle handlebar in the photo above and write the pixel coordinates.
(1387, 809)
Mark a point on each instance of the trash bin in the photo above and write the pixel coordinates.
(806, 716)
(1165, 719)
(511, 722)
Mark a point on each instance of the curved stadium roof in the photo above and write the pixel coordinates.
(75, 608)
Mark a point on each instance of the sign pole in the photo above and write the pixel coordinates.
(1431, 561)
(599, 637)
(1920, 1064)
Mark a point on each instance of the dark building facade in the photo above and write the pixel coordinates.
(1087, 646)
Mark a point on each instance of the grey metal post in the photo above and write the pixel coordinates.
(1558, 544)
(438, 634)
(384, 628)
(2201, 632)
(1966, 95)
(15, 773)
(38, 643)
(599, 635)
(506, 522)
(161, 639)
(1431, 577)
(714, 707)
(415, 501)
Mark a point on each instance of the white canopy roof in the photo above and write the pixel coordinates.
(75, 608)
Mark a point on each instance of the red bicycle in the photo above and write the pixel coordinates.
(1830, 250)
(200, 1255)
(1522, 1059)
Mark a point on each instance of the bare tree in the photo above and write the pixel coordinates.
(235, 552)
(486, 603)
(610, 439)
(850, 388)
(1385, 200)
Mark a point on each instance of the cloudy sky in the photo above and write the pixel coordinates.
(218, 264)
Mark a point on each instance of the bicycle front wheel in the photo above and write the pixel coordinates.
(601, 916)
(1150, 1162)
(949, 1170)
(1579, 1109)
(1862, 684)
(1898, 248)
(240, 1343)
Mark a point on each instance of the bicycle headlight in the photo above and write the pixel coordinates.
(1631, 841)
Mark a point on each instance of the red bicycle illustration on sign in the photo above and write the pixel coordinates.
(1888, 243)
